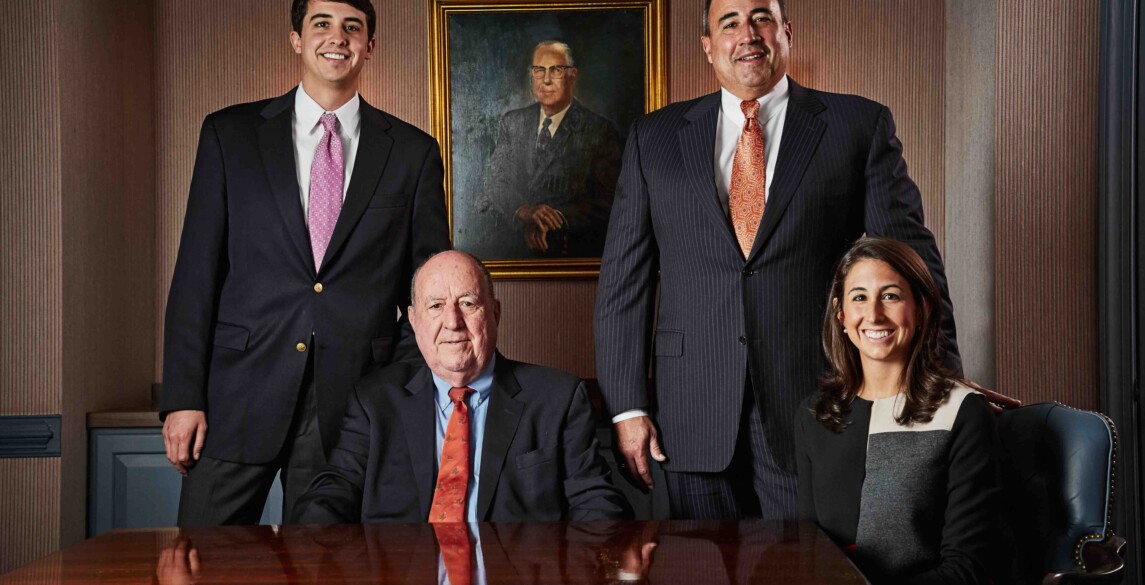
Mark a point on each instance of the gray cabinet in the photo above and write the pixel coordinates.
(132, 485)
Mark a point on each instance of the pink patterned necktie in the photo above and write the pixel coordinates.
(748, 192)
(326, 176)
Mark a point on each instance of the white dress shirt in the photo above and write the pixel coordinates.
(307, 132)
(772, 113)
(557, 118)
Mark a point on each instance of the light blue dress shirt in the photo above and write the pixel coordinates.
(478, 403)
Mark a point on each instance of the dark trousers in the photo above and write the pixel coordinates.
(217, 492)
(752, 485)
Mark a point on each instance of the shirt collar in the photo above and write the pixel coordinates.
(557, 117)
(483, 385)
(308, 112)
(770, 103)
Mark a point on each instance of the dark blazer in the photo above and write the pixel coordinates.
(839, 174)
(539, 459)
(244, 296)
(576, 175)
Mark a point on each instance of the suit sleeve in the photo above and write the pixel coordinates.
(588, 488)
(334, 496)
(197, 282)
(894, 210)
(805, 500)
(499, 197)
(972, 499)
(625, 296)
(429, 230)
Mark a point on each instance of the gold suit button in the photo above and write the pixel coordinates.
(318, 287)
(300, 347)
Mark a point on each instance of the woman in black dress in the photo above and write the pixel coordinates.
(896, 456)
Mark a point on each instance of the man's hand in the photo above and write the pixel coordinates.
(184, 432)
(998, 401)
(635, 439)
(178, 563)
(539, 220)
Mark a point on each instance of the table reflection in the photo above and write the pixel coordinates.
(620, 552)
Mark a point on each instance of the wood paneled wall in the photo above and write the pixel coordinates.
(78, 245)
(29, 510)
(106, 110)
(893, 52)
(30, 246)
(30, 250)
(1046, 124)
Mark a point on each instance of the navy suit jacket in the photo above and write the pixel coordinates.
(539, 459)
(244, 295)
(839, 174)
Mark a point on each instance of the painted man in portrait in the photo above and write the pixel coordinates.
(553, 171)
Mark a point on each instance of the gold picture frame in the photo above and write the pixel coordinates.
(480, 56)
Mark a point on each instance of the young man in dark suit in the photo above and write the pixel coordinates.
(740, 202)
(306, 216)
(470, 435)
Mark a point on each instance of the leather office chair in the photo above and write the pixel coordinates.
(1058, 469)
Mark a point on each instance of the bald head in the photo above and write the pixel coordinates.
(454, 316)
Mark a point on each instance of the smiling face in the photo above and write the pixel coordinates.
(454, 317)
(553, 94)
(748, 45)
(334, 45)
(879, 313)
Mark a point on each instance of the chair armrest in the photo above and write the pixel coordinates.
(1104, 561)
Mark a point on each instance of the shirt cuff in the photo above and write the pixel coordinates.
(635, 412)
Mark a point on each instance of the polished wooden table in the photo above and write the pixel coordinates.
(749, 551)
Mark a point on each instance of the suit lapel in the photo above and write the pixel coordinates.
(374, 145)
(500, 427)
(802, 131)
(698, 149)
(276, 145)
(416, 413)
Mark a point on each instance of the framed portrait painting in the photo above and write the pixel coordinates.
(531, 102)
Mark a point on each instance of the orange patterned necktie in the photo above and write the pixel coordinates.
(456, 552)
(453, 472)
(748, 191)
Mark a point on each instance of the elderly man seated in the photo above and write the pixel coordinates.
(468, 436)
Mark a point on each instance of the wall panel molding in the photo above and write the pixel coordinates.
(29, 436)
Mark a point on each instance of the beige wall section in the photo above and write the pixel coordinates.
(30, 214)
(891, 51)
(1045, 188)
(969, 157)
(108, 200)
(28, 510)
(30, 260)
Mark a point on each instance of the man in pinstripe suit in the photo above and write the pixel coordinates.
(737, 329)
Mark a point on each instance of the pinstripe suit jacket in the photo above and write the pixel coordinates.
(840, 173)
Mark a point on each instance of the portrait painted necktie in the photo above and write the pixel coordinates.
(450, 496)
(326, 177)
(544, 137)
(748, 191)
(456, 551)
